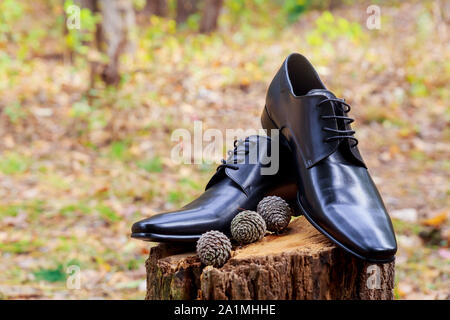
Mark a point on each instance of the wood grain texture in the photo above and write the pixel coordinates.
(299, 264)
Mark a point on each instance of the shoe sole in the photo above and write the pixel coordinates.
(267, 123)
(154, 237)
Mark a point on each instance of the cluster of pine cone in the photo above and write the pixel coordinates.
(273, 214)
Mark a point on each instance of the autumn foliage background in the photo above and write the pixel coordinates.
(81, 160)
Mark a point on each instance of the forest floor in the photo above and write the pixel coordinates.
(76, 172)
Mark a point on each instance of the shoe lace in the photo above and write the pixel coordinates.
(340, 134)
(232, 154)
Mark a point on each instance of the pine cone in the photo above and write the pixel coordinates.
(248, 226)
(214, 248)
(275, 212)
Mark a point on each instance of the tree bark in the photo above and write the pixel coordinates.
(299, 264)
(118, 19)
(184, 9)
(89, 4)
(156, 7)
(210, 15)
(112, 36)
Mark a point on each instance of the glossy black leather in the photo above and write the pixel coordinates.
(335, 190)
(229, 191)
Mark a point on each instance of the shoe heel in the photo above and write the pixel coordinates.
(267, 122)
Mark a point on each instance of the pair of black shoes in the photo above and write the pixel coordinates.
(318, 164)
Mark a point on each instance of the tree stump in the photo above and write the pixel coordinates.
(301, 263)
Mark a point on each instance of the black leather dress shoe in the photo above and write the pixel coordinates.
(335, 190)
(239, 184)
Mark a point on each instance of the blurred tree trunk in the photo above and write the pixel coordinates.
(118, 20)
(184, 9)
(112, 35)
(335, 4)
(156, 7)
(210, 15)
(89, 4)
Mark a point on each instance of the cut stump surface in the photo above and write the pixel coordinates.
(301, 263)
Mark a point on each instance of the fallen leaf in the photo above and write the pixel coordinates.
(436, 221)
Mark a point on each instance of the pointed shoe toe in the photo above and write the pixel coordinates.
(336, 192)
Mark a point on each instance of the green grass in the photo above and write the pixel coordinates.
(15, 112)
(13, 163)
(175, 197)
(33, 208)
(51, 275)
(119, 150)
(21, 246)
(76, 208)
(10, 210)
(80, 109)
(55, 180)
(107, 213)
(191, 184)
(151, 165)
(403, 227)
